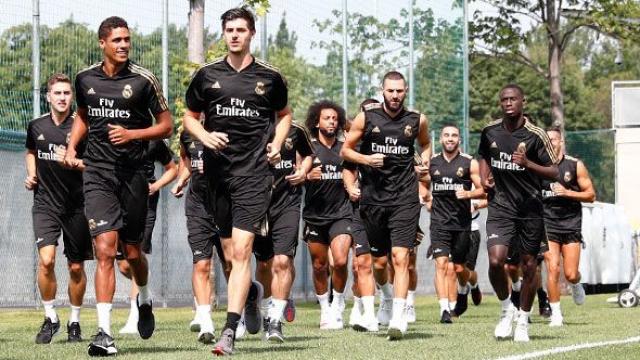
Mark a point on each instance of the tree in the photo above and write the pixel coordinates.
(505, 34)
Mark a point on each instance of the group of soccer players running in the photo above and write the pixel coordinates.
(244, 161)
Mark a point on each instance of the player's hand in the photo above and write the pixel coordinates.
(298, 177)
(375, 160)
(354, 193)
(519, 157)
(31, 182)
(462, 194)
(61, 152)
(423, 172)
(177, 189)
(315, 174)
(119, 135)
(559, 190)
(215, 140)
(153, 188)
(489, 183)
(273, 154)
(70, 159)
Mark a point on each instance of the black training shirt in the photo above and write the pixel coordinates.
(447, 177)
(195, 200)
(242, 104)
(158, 151)
(131, 99)
(562, 215)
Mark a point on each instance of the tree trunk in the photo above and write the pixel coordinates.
(555, 66)
(196, 31)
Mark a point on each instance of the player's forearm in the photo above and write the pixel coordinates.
(161, 130)
(283, 123)
(169, 174)
(194, 127)
(547, 172)
(30, 160)
(307, 164)
(477, 193)
(353, 156)
(582, 196)
(349, 178)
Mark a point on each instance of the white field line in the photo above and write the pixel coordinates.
(570, 348)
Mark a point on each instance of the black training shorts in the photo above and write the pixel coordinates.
(453, 243)
(47, 227)
(390, 226)
(282, 238)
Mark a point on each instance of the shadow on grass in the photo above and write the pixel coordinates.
(153, 349)
(301, 338)
(413, 335)
(577, 323)
(277, 348)
(543, 337)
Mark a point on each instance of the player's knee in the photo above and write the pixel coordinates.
(380, 263)
(553, 268)
(262, 267)
(458, 268)
(76, 271)
(496, 264)
(47, 263)
(320, 267)
(105, 252)
(123, 266)
(572, 276)
(281, 264)
(202, 267)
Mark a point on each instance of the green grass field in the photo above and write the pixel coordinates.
(470, 337)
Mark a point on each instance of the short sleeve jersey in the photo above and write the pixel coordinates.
(195, 201)
(517, 191)
(562, 215)
(396, 182)
(59, 189)
(131, 99)
(242, 104)
(447, 177)
(298, 141)
(326, 200)
(158, 151)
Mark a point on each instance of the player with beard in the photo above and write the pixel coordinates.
(57, 208)
(517, 155)
(562, 200)
(243, 100)
(275, 252)
(117, 104)
(327, 212)
(453, 174)
(389, 205)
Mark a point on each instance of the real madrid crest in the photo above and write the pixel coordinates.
(260, 88)
(288, 144)
(127, 91)
(92, 224)
(567, 176)
(460, 172)
(407, 131)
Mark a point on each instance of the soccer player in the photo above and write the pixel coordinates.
(202, 233)
(117, 103)
(516, 154)
(275, 252)
(455, 179)
(243, 99)
(158, 151)
(58, 206)
(563, 220)
(389, 205)
(327, 211)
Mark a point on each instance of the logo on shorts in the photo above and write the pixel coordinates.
(493, 236)
(260, 88)
(314, 233)
(197, 252)
(216, 85)
(567, 176)
(460, 172)
(358, 246)
(374, 248)
(437, 250)
(92, 224)
(288, 144)
(408, 131)
(375, 130)
(101, 223)
(39, 240)
(127, 91)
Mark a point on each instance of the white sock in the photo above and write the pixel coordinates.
(506, 304)
(411, 297)
(444, 305)
(452, 305)
(523, 316)
(368, 307)
(50, 310)
(133, 312)
(265, 305)
(104, 317)
(324, 301)
(203, 311)
(338, 299)
(399, 305)
(555, 308)
(144, 294)
(387, 291)
(277, 309)
(74, 315)
(516, 286)
(463, 290)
